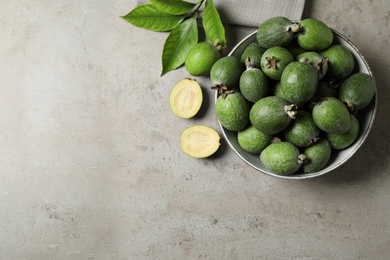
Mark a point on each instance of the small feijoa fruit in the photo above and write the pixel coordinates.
(199, 141)
(314, 35)
(254, 52)
(186, 98)
(227, 71)
(282, 158)
(201, 58)
(252, 140)
(317, 156)
(340, 61)
(274, 60)
(341, 141)
(232, 111)
(253, 83)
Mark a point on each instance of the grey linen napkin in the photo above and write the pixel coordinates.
(253, 12)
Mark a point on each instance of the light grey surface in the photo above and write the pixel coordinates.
(90, 163)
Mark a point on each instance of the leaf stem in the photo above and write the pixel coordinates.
(195, 9)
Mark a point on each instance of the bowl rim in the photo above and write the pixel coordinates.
(301, 176)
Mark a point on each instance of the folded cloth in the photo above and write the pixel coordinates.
(253, 12)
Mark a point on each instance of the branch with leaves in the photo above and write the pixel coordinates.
(179, 18)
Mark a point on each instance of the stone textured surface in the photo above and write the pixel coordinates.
(90, 163)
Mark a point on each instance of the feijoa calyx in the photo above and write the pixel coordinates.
(282, 158)
(232, 111)
(276, 31)
(357, 91)
(331, 115)
(272, 114)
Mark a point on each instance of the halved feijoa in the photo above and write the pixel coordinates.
(186, 98)
(199, 141)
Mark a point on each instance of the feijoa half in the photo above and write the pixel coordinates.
(186, 98)
(199, 141)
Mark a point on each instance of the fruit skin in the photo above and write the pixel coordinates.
(340, 61)
(254, 51)
(314, 35)
(185, 98)
(199, 141)
(331, 116)
(299, 82)
(357, 91)
(341, 141)
(281, 158)
(317, 156)
(275, 31)
(201, 58)
(269, 115)
(315, 60)
(302, 131)
(274, 60)
(252, 140)
(232, 111)
(227, 71)
(253, 84)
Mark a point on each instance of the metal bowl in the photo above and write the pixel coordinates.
(366, 118)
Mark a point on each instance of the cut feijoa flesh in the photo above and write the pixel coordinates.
(186, 98)
(199, 141)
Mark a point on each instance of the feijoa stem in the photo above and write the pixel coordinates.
(302, 159)
(291, 110)
(295, 27)
(249, 63)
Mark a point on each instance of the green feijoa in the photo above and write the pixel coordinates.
(276, 31)
(274, 60)
(232, 111)
(252, 140)
(226, 71)
(253, 83)
(341, 141)
(272, 114)
(340, 61)
(201, 58)
(331, 115)
(302, 131)
(317, 156)
(314, 35)
(282, 158)
(316, 60)
(299, 82)
(357, 91)
(253, 51)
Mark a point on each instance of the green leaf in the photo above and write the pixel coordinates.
(212, 24)
(173, 7)
(148, 17)
(178, 43)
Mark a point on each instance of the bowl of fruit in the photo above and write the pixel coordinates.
(294, 99)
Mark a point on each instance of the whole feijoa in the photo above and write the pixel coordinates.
(316, 60)
(314, 35)
(317, 156)
(253, 82)
(282, 158)
(324, 89)
(201, 58)
(357, 91)
(253, 51)
(299, 82)
(340, 61)
(252, 140)
(227, 71)
(341, 141)
(274, 60)
(276, 31)
(232, 111)
(302, 131)
(277, 90)
(272, 114)
(331, 115)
